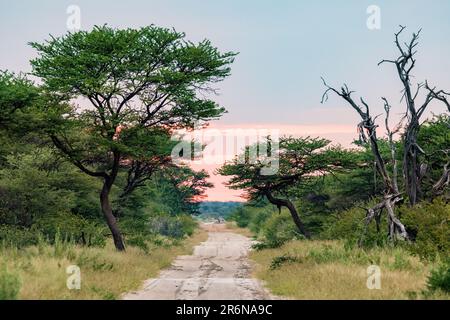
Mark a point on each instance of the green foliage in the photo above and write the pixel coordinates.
(242, 216)
(16, 94)
(17, 237)
(349, 225)
(279, 229)
(139, 241)
(92, 261)
(216, 209)
(434, 137)
(173, 227)
(9, 285)
(70, 227)
(180, 189)
(279, 261)
(298, 159)
(37, 184)
(429, 224)
(439, 278)
(252, 217)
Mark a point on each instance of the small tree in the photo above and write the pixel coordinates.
(133, 81)
(300, 160)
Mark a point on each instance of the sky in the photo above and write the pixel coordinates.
(284, 48)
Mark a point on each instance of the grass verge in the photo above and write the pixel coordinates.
(231, 225)
(329, 270)
(105, 273)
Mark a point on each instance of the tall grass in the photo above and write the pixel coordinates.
(39, 272)
(331, 270)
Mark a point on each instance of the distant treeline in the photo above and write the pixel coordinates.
(215, 209)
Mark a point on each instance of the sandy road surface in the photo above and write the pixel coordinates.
(218, 269)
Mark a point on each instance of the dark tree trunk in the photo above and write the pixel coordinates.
(109, 216)
(293, 211)
(411, 167)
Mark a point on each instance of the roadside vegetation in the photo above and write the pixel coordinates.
(333, 266)
(39, 272)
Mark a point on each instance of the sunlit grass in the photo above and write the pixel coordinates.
(329, 270)
(105, 273)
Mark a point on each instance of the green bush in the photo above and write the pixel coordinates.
(9, 285)
(139, 241)
(72, 228)
(242, 217)
(279, 261)
(439, 279)
(279, 229)
(349, 225)
(175, 227)
(428, 223)
(252, 217)
(188, 224)
(17, 237)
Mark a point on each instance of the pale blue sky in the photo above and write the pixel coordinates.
(285, 46)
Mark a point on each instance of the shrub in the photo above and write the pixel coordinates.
(252, 217)
(428, 223)
(439, 279)
(9, 285)
(242, 217)
(70, 227)
(138, 241)
(93, 261)
(188, 224)
(349, 225)
(279, 229)
(17, 237)
(173, 227)
(277, 262)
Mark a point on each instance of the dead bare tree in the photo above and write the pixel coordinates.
(413, 170)
(368, 134)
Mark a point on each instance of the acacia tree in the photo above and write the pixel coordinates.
(300, 160)
(129, 81)
(413, 170)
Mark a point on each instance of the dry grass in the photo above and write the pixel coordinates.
(231, 225)
(327, 270)
(105, 273)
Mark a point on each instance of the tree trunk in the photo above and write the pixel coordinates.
(109, 217)
(293, 211)
(411, 168)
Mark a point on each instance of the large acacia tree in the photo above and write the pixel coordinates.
(127, 82)
(300, 160)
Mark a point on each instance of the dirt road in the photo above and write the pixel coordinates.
(218, 269)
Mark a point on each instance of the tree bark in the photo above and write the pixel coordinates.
(293, 211)
(109, 216)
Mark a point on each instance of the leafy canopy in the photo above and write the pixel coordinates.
(300, 160)
(147, 76)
